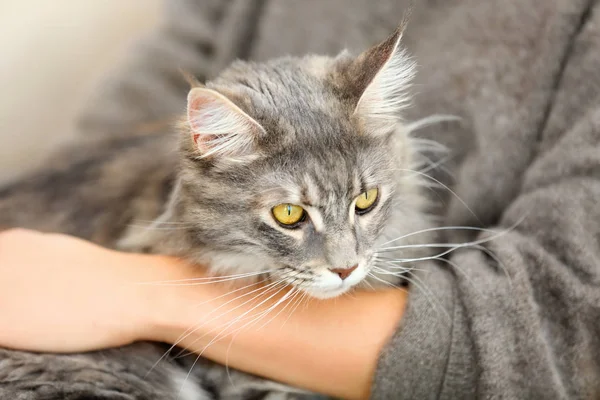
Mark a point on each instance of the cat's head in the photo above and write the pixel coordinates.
(290, 167)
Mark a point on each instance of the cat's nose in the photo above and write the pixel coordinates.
(343, 273)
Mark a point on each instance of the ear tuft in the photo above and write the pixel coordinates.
(382, 77)
(220, 128)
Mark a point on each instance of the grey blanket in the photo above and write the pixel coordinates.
(524, 76)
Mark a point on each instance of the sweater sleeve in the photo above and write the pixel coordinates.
(521, 317)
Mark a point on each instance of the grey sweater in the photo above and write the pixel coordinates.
(521, 321)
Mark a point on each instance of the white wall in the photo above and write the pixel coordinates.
(51, 52)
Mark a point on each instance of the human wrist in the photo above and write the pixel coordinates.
(157, 300)
(174, 296)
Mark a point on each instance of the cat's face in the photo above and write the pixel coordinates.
(291, 167)
(320, 215)
(308, 214)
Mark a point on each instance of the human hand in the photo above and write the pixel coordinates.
(63, 294)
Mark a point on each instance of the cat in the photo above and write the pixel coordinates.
(298, 169)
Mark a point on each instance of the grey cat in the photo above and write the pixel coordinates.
(295, 170)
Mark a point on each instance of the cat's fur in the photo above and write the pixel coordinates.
(315, 131)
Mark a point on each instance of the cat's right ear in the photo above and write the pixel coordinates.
(218, 127)
(378, 81)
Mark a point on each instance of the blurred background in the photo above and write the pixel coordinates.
(52, 53)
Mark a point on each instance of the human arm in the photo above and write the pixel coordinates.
(85, 297)
(327, 346)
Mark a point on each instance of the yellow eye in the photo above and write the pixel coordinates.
(288, 214)
(366, 200)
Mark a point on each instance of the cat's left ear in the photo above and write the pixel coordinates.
(380, 78)
(218, 127)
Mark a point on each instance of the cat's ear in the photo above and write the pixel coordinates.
(380, 78)
(218, 127)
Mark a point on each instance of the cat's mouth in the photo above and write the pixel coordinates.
(322, 282)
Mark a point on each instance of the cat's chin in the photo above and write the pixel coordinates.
(327, 294)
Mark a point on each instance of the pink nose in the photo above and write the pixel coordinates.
(343, 273)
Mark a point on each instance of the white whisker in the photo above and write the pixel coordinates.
(301, 298)
(448, 189)
(442, 228)
(430, 120)
(271, 286)
(157, 228)
(203, 280)
(232, 339)
(191, 329)
(218, 336)
(243, 316)
(392, 269)
(385, 282)
(230, 292)
(456, 247)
